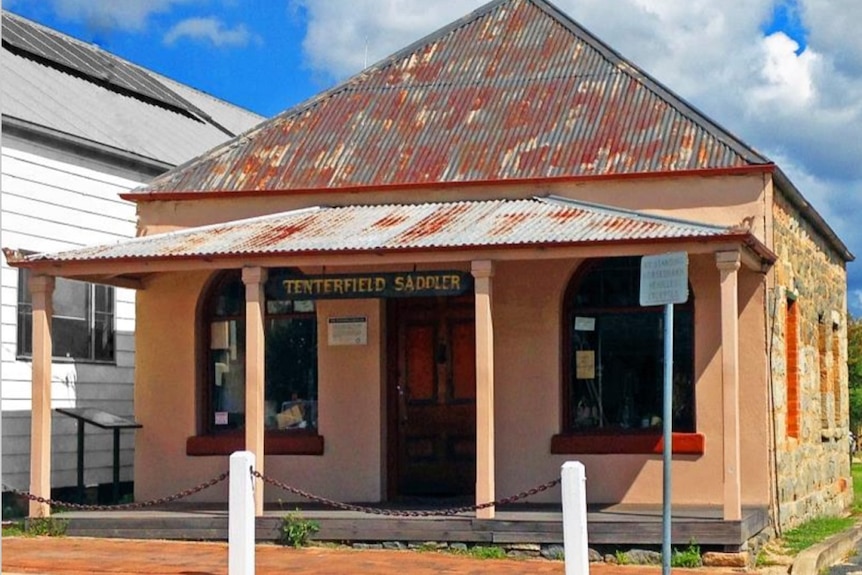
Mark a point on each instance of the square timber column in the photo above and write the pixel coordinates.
(41, 293)
(728, 265)
(255, 346)
(483, 271)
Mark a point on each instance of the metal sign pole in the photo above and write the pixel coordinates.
(664, 281)
(667, 432)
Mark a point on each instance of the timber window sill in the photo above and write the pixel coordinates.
(625, 442)
(273, 444)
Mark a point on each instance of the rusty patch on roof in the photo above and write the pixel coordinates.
(350, 229)
(516, 92)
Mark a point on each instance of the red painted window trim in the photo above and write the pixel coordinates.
(273, 444)
(650, 442)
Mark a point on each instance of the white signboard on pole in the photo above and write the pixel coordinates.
(664, 279)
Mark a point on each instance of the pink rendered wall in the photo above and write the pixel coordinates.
(527, 340)
(527, 305)
(720, 200)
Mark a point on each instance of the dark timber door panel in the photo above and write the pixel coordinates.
(435, 390)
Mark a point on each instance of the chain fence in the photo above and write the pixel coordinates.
(400, 512)
(290, 489)
(121, 506)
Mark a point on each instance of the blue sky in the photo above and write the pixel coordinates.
(784, 75)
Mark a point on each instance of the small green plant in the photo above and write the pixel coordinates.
(487, 552)
(296, 530)
(688, 557)
(622, 557)
(47, 526)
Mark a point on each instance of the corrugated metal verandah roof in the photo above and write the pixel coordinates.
(514, 91)
(550, 221)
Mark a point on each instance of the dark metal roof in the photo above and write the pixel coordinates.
(513, 91)
(65, 92)
(47, 45)
(531, 222)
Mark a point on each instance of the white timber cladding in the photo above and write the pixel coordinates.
(55, 200)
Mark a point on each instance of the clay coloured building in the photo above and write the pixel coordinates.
(514, 170)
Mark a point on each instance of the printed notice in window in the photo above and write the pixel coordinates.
(585, 362)
(347, 331)
(585, 323)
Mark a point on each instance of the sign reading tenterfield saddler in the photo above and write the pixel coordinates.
(378, 285)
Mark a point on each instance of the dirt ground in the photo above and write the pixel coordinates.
(79, 556)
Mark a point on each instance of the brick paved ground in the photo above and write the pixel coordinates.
(78, 556)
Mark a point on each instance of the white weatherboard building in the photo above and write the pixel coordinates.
(80, 126)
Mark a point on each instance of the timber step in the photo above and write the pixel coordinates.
(606, 526)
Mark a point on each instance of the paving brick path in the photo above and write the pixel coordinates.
(78, 556)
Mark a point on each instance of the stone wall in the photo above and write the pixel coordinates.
(811, 422)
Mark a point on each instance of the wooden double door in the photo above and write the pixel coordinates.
(432, 397)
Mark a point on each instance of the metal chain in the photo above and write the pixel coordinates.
(299, 492)
(401, 513)
(122, 506)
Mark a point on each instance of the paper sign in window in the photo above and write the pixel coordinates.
(585, 323)
(585, 362)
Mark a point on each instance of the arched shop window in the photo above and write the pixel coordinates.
(613, 365)
(290, 331)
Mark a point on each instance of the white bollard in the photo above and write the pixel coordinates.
(241, 514)
(574, 488)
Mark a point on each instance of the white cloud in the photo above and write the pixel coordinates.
(210, 30)
(786, 77)
(344, 35)
(105, 15)
(834, 29)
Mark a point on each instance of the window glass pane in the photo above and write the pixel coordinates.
(104, 299)
(25, 330)
(70, 338)
(616, 362)
(76, 335)
(103, 337)
(23, 286)
(291, 372)
(612, 282)
(71, 299)
(230, 299)
(290, 392)
(227, 373)
(25, 315)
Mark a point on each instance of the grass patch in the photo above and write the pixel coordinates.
(856, 474)
(486, 552)
(14, 529)
(815, 531)
(36, 527)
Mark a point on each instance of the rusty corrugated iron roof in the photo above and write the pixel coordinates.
(550, 221)
(514, 91)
